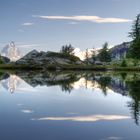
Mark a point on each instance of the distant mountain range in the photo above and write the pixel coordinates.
(118, 52)
(13, 53)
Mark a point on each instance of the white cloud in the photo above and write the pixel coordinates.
(113, 138)
(27, 24)
(95, 19)
(27, 111)
(90, 118)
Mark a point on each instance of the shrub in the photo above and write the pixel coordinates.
(63, 55)
(124, 64)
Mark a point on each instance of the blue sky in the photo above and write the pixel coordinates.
(48, 24)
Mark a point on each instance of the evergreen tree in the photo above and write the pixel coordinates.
(134, 50)
(104, 54)
(135, 33)
(1, 60)
(93, 56)
(124, 63)
(134, 105)
(87, 56)
(67, 49)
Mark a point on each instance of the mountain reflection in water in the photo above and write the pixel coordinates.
(120, 83)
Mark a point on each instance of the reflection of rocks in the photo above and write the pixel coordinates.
(106, 81)
(49, 79)
(118, 86)
(3, 76)
(67, 80)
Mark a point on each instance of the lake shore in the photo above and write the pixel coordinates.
(69, 67)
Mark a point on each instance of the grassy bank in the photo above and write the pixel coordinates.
(93, 67)
(21, 67)
(69, 67)
(126, 68)
(75, 67)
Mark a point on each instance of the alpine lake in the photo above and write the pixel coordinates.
(69, 105)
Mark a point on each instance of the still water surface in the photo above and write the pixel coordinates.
(69, 106)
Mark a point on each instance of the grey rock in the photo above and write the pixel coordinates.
(119, 52)
(5, 60)
(35, 58)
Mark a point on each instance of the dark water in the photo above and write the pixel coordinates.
(69, 106)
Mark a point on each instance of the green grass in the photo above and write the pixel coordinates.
(126, 68)
(12, 66)
(76, 67)
(70, 67)
(129, 62)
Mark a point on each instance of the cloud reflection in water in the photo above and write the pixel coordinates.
(90, 118)
(27, 111)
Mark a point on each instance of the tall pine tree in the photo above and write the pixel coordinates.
(104, 54)
(1, 60)
(67, 49)
(134, 51)
(135, 33)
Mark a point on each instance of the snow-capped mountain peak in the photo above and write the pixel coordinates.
(11, 51)
(82, 54)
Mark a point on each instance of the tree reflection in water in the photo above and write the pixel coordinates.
(134, 93)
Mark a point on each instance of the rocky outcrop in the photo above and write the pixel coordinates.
(5, 60)
(119, 52)
(35, 58)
